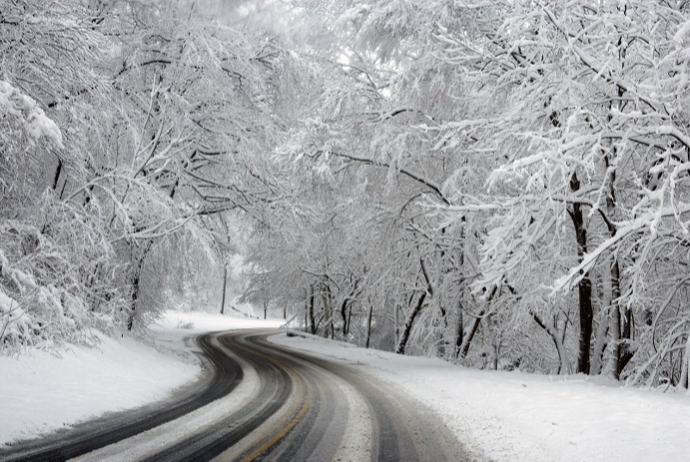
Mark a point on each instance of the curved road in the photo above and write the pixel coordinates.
(263, 402)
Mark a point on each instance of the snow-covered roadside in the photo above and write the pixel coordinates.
(513, 416)
(504, 416)
(41, 393)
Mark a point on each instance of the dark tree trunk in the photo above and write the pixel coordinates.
(225, 283)
(327, 309)
(467, 339)
(56, 178)
(405, 336)
(349, 320)
(584, 287)
(310, 311)
(369, 316)
(459, 331)
(136, 282)
(135, 297)
(343, 314)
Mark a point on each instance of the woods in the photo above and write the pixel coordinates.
(500, 184)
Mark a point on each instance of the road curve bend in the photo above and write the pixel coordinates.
(264, 402)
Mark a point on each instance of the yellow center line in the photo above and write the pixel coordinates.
(277, 435)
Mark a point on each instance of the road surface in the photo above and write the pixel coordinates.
(261, 401)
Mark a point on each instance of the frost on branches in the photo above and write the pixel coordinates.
(525, 164)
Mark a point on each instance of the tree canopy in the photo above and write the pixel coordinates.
(501, 184)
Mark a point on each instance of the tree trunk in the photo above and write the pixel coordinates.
(225, 283)
(402, 344)
(615, 321)
(459, 331)
(396, 312)
(621, 327)
(56, 178)
(343, 315)
(552, 332)
(306, 314)
(310, 310)
(349, 320)
(327, 311)
(684, 380)
(467, 339)
(369, 316)
(599, 346)
(135, 297)
(584, 287)
(346, 309)
(136, 284)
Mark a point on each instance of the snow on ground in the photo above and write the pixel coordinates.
(502, 416)
(40, 392)
(513, 416)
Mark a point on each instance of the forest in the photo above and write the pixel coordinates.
(502, 184)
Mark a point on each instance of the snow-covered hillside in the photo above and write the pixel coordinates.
(42, 392)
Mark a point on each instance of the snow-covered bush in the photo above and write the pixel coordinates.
(54, 283)
(55, 260)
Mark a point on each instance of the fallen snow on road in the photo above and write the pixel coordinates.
(41, 392)
(513, 416)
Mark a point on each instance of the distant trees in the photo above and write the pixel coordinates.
(527, 164)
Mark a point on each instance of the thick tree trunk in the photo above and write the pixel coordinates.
(584, 287)
(402, 344)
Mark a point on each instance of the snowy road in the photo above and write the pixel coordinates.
(264, 401)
